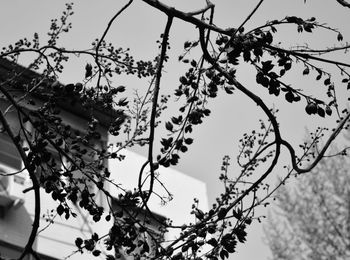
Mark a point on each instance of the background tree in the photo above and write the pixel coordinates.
(214, 61)
(311, 220)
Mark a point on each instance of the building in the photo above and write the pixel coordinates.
(56, 237)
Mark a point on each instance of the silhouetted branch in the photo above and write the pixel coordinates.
(306, 56)
(344, 3)
(36, 186)
(162, 59)
(248, 17)
(329, 141)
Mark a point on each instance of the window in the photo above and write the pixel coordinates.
(10, 164)
(9, 155)
(4, 181)
(10, 251)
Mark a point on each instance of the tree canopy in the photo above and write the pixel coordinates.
(216, 61)
(312, 217)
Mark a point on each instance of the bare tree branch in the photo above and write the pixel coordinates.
(344, 3)
(162, 59)
(36, 186)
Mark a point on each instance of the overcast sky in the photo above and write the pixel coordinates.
(140, 27)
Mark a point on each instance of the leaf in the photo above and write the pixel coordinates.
(258, 52)
(311, 108)
(300, 28)
(94, 236)
(268, 38)
(78, 87)
(320, 112)
(246, 55)
(273, 29)
(145, 247)
(240, 233)
(187, 44)
(110, 257)
(120, 89)
(222, 213)
(183, 149)
(339, 37)
(199, 214)
(273, 75)
(174, 159)
(178, 256)
(229, 243)
(169, 126)
(96, 252)
(188, 141)
(289, 96)
(188, 129)
(183, 80)
(229, 89)
(206, 112)
(60, 210)
(122, 102)
(213, 242)
(78, 242)
(259, 78)
(69, 87)
(287, 66)
(267, 66)
(294, 19)
(327, 81)
(224, 254)
(88, 70)
(96, 217)
(237, 214)
(306, 71)
(308, 27)
(297, 98)
(175, 120)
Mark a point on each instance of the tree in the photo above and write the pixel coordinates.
(312, 218)
(213, 61)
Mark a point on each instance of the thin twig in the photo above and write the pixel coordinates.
(322, 152)
(248, 17)
(97, 55)
(304, 55)
(35, 226)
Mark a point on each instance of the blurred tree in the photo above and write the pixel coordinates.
(312, 218)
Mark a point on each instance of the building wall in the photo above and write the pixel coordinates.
(57, 240)
(183, 188)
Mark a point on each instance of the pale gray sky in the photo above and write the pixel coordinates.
(139, 28)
